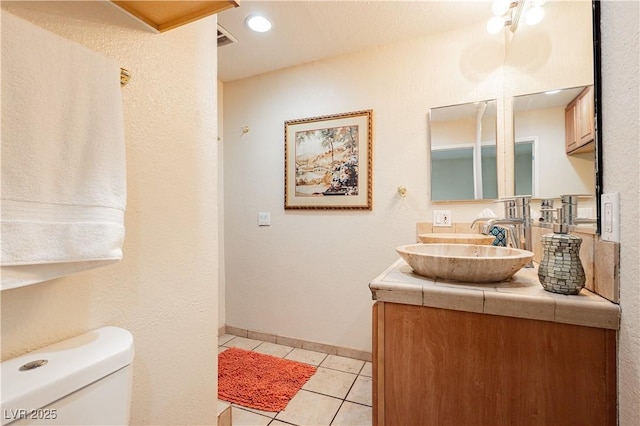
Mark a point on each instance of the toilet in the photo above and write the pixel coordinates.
(85, 380)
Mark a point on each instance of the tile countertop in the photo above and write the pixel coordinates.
(521, 297)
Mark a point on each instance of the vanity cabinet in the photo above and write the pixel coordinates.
(434, 366)
(579, 123)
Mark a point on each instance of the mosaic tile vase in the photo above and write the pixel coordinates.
(560, 270)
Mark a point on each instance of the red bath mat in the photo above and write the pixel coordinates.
(255, 380)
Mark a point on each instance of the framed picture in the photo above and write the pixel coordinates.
(328, 162)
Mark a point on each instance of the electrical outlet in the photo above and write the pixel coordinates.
(610, 220)
(264, 219)
(442, 218)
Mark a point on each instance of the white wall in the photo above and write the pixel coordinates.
(165, 289)
(306, 275)
(621, 173)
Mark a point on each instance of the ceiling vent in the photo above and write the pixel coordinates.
(225, 37)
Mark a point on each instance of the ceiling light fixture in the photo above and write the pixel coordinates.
(534, 15)
(259, 23)
(507, 13)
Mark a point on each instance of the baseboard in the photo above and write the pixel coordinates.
(298, 343)
(224, 413)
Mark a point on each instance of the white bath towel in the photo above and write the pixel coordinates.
(63, 156)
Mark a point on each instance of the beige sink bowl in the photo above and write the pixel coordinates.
(463, 262)
(451, 238)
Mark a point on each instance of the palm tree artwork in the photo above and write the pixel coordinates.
(327, 161)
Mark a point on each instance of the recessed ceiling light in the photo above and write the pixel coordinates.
(552, 92)
(258, 23)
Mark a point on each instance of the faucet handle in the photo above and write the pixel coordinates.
(570, 207)
(562, 226)
(547, 214)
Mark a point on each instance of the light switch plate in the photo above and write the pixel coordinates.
(264, 219)
(610, 217)
(442, 218)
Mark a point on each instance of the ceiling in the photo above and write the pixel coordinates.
(543, 101)
(305, 31)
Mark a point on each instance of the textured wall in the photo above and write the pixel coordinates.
(165, 289)
(621, 173)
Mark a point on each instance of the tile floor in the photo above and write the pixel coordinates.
(339, 393)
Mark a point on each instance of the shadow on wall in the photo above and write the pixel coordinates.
(481, 59)
(537, 53)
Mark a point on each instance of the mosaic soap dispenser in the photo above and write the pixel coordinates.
(561, 270)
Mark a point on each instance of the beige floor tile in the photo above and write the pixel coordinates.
(361, 391)
(273, 349)
(270, 414)
(367, 370)
(306, 356)
(279, 423)
(330, 382)
(243, 343)
(224, 339)
(222, 349)
(341, 363)
(353, 414)
(308, 408)
(240, 417)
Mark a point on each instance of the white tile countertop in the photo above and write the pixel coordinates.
(521, 297)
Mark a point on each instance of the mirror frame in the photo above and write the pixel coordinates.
(597, 87)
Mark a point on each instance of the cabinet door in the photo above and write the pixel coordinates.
(585, 128)
(579, 123)
(570, 121)
(440, 367)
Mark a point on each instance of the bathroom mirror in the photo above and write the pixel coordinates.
(562, 51)
(559, 52)
(542, 168)
(463, 151)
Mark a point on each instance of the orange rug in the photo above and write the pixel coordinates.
(255, 380)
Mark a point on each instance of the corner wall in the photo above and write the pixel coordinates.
(165, 290)
(621, 173)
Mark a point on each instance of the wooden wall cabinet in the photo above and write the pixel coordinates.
(166, 15)
(436, 366)
(579, 123)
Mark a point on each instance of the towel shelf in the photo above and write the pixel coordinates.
(166, 15)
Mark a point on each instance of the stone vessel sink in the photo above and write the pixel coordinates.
(451, 238)
(464, 262)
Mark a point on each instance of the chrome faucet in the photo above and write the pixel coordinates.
(517, 221)
(570, 211)
(510, 224)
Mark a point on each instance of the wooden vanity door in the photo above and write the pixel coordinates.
(443, 367)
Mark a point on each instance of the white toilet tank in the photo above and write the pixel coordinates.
(85, 380)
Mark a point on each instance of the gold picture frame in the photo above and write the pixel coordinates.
(329, 162)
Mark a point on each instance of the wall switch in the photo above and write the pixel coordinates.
(264, 219)
(442, 218)
(610, 220)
